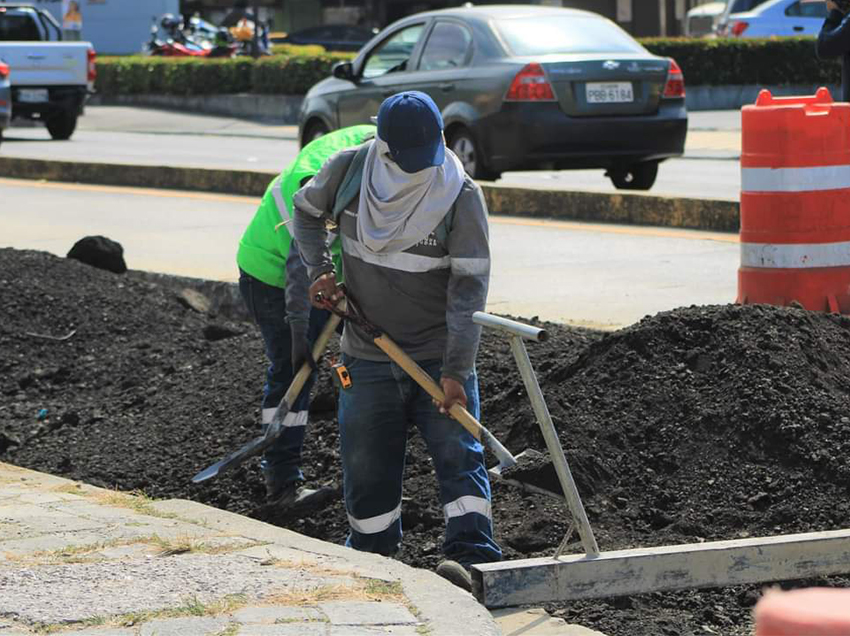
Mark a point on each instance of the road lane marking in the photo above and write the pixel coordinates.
(150, 192)
(576, 226)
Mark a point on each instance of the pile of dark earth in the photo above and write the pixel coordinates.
(697, 424)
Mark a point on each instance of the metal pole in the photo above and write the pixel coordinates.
(510, 327)
(556, 451)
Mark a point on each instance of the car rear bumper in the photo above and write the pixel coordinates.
(61, 99)
(5, 107)
(528, 136)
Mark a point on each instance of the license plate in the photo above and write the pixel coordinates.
(609, 93)
(33, 95)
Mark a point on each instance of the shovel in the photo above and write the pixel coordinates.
(283, 415)
(351, 312)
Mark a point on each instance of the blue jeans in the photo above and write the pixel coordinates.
(374, 414)
(267, 305)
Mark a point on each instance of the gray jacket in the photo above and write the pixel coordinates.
(424, 297)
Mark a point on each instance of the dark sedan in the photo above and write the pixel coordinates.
(334, 37)
(520, 88)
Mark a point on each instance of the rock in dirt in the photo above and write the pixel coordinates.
(215, 332)
(194, 300)
(100, 252)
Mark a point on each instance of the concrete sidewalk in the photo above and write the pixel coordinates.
(75, 559)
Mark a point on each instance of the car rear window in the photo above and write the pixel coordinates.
(17, 27)
(536, 35)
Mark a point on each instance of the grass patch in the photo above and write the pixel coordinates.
(190, 607)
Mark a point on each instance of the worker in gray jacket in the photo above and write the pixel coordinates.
(416, 257)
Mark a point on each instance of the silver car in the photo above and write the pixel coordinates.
(520, 88)
(5, 98)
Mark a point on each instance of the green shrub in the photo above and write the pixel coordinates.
(763, 62)
(289, 74)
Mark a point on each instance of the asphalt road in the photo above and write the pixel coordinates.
(602, 276)
(133, 135)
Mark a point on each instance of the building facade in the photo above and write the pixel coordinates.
(641, 18)
(117, 27)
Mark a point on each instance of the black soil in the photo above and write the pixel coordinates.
(697, 424)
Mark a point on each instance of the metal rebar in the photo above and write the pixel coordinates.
(556, 451)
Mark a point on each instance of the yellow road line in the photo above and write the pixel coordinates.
(575, 226)
(632, 230)
(149, 192)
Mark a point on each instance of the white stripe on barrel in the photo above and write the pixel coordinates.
(795, 255)
(795, 179)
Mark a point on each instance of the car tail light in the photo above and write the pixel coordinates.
(530, 85)
(92, 57)
(738, 28)
(675, 87)
(4, 70)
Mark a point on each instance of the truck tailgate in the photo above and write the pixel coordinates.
(46, 63)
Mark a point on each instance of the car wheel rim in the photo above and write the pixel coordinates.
(465, 151)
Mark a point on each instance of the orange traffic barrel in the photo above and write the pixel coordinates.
(795, 202)
(808, 612)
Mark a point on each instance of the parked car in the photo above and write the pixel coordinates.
(334, 37)
(779, 18)
(702, 20)
(520, 88)
(50, 79)
(5, 98)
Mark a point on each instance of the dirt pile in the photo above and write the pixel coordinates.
(701, 423)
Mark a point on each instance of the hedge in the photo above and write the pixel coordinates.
(762, 62)
(283, 74)
(775, 61)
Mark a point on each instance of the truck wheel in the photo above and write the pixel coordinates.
(62, 126)
(639, 176)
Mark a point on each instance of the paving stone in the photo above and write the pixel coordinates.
(48, 497)
(367, 613)
(277, 614)
(106, 631)
(285, 629)
(75, 592)
(362, 630)
(196, 626)
(537, 622)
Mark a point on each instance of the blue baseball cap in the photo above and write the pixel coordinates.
(412, 126)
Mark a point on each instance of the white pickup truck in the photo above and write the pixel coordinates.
(50, 78)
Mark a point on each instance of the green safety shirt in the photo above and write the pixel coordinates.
(265, 244)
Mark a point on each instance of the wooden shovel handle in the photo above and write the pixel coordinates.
(318, 350)
(427, 382)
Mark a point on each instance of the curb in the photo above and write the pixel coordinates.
(637, 209)
(286, 108)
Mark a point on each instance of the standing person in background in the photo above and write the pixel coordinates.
(274, 285)
(72, 21)
(834, 41)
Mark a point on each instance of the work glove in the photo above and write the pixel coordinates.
(301, 349)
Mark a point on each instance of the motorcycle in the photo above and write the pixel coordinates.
(178, 43)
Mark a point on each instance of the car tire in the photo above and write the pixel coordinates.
(62, 126)
(315, 130)
(638, 176)
(463, 144)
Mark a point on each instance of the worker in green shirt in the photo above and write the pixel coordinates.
(274, 285)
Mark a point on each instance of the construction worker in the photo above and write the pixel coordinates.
(274, 286)
(416, 256)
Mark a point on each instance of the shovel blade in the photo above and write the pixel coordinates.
(254, 447)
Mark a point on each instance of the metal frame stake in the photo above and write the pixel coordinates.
(556, 451)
